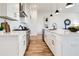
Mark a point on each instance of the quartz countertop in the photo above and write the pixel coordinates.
(11, 33)
(64, 32)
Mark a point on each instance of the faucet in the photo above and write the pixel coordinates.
(54, 26)
(21, 27)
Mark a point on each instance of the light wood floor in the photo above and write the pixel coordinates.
(37, 47)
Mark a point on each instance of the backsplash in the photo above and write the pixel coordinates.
(13, 24)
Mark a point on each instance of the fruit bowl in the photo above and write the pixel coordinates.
(72, 29)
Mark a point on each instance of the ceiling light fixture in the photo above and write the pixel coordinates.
(57, 11)
(51, 15)
(68, 5)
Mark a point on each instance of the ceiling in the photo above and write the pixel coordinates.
(51, 7)
(45, 9)
(60, 6)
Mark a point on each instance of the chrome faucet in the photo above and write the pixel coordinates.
(54, 26)
(21, 27)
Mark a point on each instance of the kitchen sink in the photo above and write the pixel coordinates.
(19, 30)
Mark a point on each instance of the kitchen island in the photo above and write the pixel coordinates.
(62, 42)
(13, 43)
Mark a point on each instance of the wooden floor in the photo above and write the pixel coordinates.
(37, 47)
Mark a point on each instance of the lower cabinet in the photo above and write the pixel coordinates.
(13, 44)
(27, 38)
(9, 45)
(50, 41)
(54, 43)
(22, 43)
(62, 45)
(71, 46)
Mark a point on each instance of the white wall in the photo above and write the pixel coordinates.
(33, 20)
(31, 11)
(59, 19)
(41, 17)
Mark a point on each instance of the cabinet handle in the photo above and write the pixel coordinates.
(53, 42)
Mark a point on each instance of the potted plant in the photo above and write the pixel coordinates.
(1, 27)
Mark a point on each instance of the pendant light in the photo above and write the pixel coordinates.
(51, 15)
(68, 5)
(57, 11)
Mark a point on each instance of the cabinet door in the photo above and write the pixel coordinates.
(8, 45)
(22, 43)
(13, 10)
(10, 9)
(49, 39)
(46, 36)
(71, 46)
(52, 42)
(27, 38)
(58, 45)
(3, 9)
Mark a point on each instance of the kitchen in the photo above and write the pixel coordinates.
(14, 34)
(29, 21)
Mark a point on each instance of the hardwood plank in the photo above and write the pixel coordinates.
(37, 47)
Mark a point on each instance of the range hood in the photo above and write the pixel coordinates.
(21, 10)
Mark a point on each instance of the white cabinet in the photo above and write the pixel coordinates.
(9, 45)
(54, 42)
(27, 38)
(10, 9)
(13, 10)
(49, 40)
(22, 43)
(13, 44)
(3, 9)
(62, 43)
(71, 46)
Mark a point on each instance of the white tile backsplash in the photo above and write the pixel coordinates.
(13, 24)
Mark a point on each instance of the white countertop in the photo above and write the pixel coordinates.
(11, 33)
(64, 32)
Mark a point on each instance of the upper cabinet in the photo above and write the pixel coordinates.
(9, 11)
(3, 9)
(13, 10)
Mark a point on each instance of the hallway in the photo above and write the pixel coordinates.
(37, 47)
